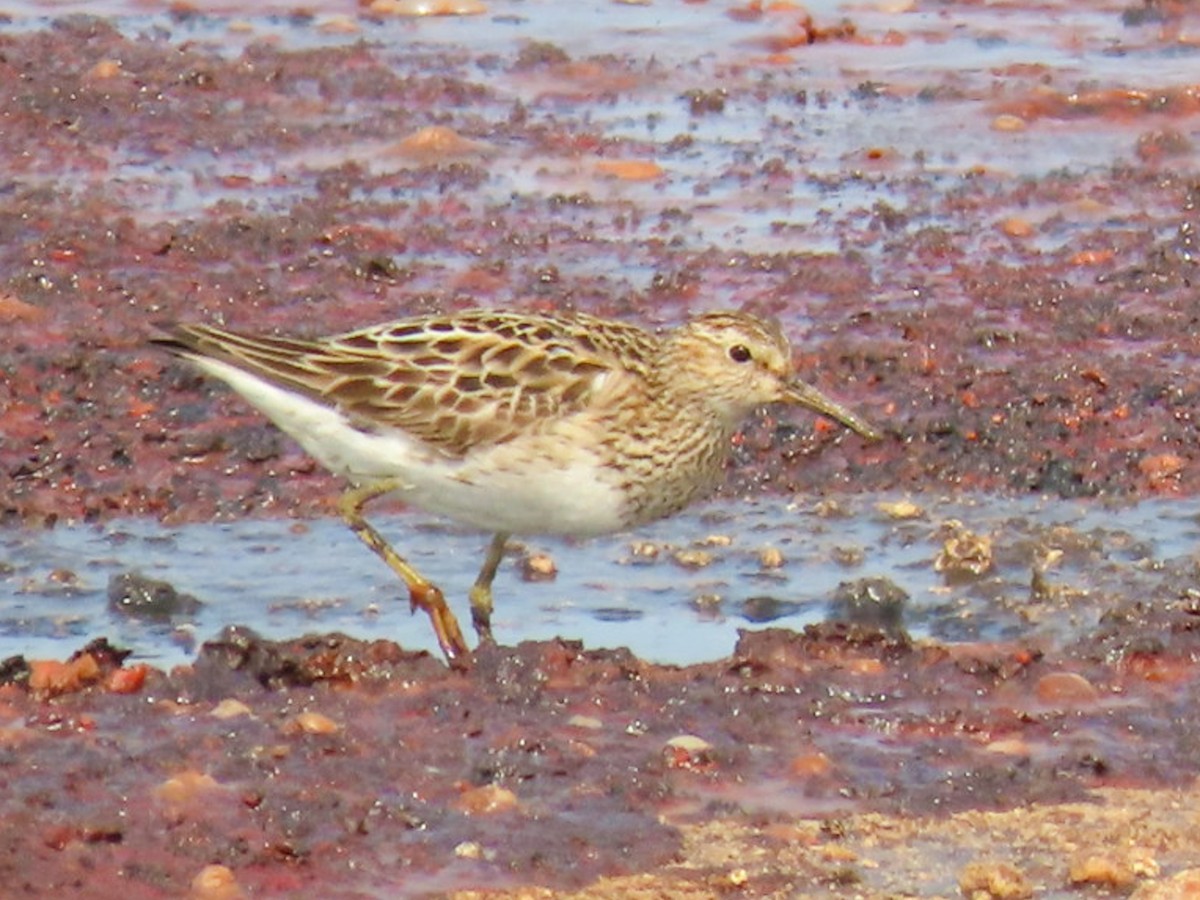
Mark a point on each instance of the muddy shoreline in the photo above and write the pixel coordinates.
(979, 226)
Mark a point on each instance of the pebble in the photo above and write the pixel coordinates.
(630, 169)
(538, 567)
(486, 800)
(692, 558)
(1016, 227)
(991, 880)
(1065, 689)
(419, 8)
(312, 723)
(644, 552)
(900, 509)
(215, 882)
(1012, 746)
(437, 144)
(185, 787)
(964, 553)
(770, 558)
(474, 850)
(339, 24)
(687, 751)
(877, 602)
(105, 69)
(830, 509)
(1102, 870)
(1009, 123)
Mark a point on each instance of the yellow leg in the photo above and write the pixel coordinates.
(422, 593)
(481, 591)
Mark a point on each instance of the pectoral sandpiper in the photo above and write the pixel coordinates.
(513, 423)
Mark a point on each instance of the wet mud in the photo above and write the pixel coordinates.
(978, 223)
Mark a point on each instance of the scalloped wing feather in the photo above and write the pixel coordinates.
(456, 383)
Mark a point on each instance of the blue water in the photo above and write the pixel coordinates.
(284, 580)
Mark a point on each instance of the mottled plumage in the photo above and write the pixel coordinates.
(524, 423)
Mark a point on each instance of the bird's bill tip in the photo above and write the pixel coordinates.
(809, 397)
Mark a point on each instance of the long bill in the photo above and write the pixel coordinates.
(808, 396)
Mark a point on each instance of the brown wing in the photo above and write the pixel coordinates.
(455, 382)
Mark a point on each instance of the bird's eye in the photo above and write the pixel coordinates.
(740, 353)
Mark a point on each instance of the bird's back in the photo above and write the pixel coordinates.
(457, 383)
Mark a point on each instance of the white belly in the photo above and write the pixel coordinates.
(498, 490)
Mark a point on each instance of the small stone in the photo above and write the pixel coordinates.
(105, 69)
(582, 749)
(1009, 747)
(1009, 123)
(878, 602)
(1017, 228)
(630, 169)
(964, 553)
(589, 722)
(692, 558)
(770, 558)
(469, 850)
(230, 709)
(339, 24)
(135, 595)
(184, 788)
(830, 509)
(52, 677)
(707, 604)
(312, 723)
(64, 577)
(421, 8)
(767, 608)
(215, 882)
(900, 509)
(688, 751)
(486, 800)
(127, 680)
(437, 144)
(1065, 689)
(645, 550)
(990, 880)
(1101, 869)
(538, 567)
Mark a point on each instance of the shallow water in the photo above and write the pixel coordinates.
(284, 578)
(962, 65)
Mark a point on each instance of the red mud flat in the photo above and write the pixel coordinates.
(1020, 316)
(809, 764)
(1016, 327)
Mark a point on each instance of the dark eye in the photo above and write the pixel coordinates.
(740, 353)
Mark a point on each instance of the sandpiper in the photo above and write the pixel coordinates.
(514, 423)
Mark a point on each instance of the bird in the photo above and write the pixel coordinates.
(514, 423)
